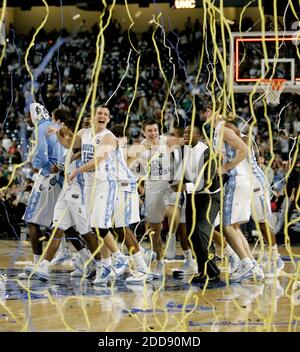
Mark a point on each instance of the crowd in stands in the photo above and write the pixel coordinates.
(66, 79)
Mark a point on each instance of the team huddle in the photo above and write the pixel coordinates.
(87, 191)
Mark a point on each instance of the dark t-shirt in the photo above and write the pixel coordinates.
(293, 181)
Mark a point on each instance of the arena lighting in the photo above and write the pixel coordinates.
(185, 4)
(75, 17)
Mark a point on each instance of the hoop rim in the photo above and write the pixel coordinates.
(275, 83)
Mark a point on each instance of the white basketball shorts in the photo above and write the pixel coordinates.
(237, 200)
(126, 210)
(43, 197)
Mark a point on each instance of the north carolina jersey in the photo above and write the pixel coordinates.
(258, 178)
(122, 172)
(259, 175)
(47, 186)
(89, 143)
(156, 162)
(48, 150)
(227, 151)
(70, 209)
(73, 192)
(126, 208)
(237, 190)
(260, 198)
(114, 167)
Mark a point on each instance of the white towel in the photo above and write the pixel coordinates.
(38, 112)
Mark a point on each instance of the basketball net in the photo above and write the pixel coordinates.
(273, 88)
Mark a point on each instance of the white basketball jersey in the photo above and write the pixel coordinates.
(113, 168)
(259, 178)
(122, 172)
(157, 162)
(89, 143)
(228, 152)
(72, 192)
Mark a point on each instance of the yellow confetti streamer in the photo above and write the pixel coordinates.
(1, 21)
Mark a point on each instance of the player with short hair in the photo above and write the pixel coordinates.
(261, 210)
(47, 185)
(237, 195)
(154, 156)
(62, 117)
(113, 180)
(69, 211)
(179, 225)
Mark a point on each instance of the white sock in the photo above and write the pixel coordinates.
(228, 251)
(45, 264)
(246, 262)
(188, 255)
(139, 262)
(106, 261)
(36, 258)
(85, 254)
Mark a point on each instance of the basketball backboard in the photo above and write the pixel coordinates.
(255, 56)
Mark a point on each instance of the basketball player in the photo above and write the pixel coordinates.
(148, 254)
(170, 210)
(237, 195)
(189, 267)
(69, 211)
(47, 187)
(155, 157)
(261, 210)
(109, 164)
(126, 212)
(63, 254)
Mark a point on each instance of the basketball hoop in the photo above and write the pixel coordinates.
(273, 88)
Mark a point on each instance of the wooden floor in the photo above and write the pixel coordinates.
(66, 304)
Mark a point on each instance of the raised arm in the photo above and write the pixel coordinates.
(134, 152)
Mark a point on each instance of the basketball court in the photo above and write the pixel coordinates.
(68, 304)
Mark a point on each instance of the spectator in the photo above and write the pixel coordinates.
(6, 142)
